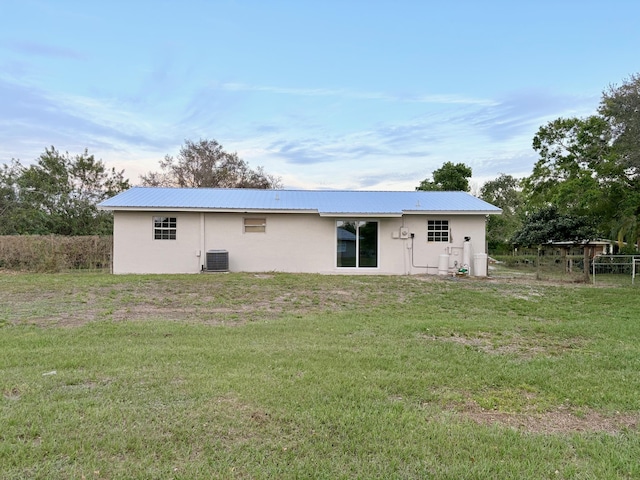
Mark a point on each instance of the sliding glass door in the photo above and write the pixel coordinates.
(357, 244)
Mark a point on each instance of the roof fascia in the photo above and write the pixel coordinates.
(452, 212)
(360, 215)
(202, 209)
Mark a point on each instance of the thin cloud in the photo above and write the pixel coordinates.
(355, 95)
(350, 148)
(425, 132)
(516, 163)
(522, 113)
(32, 119)
(301, 152)
(42, 50)
(378, 179)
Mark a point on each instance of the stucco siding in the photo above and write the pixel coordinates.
(136, 251)
(291, 242)
(427, 254)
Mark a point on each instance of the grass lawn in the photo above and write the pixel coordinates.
(303, 376)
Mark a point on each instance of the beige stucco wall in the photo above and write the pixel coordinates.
(135, 250)
(291, 243)
(427, 254)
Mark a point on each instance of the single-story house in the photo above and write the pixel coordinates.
(177, 230)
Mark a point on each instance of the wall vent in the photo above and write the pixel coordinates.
(217, 261)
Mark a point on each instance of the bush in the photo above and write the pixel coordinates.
(54, 253)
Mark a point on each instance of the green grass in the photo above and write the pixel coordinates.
(304, 376)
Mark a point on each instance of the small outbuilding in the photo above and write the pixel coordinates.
(187, 230)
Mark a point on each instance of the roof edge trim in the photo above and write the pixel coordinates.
(203, 210)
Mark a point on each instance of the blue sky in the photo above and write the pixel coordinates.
(326, 94)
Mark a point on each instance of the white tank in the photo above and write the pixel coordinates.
(466, 255)
(480, 265)
(443, 264)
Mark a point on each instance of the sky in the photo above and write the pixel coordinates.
(326, 94)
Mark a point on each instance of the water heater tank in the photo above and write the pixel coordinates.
(466, 254)
(443, 264)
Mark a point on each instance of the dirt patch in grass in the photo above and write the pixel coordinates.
(526, 347)
(529, 412)
(562, 420)
(234, 299)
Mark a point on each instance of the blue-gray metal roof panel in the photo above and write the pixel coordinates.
(322, 201)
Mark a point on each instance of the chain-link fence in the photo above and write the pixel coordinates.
(564, 268)
(601, 269)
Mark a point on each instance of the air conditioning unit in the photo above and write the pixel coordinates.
(217, 261)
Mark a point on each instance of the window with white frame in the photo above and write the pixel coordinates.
(164, 228)
(255, 225)
(437, 230)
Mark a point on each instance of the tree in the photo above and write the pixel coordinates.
(580, 173)
(8, 196)
(575, 168)
(449, 177)
(503, 192)
(620, 106)
(59, 195)
(548, 224)
(591, 166)
(205, 164)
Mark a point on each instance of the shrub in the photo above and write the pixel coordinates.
(54, 253)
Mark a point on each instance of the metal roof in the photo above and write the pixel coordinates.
(323, 202)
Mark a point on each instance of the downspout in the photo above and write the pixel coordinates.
(202, 242)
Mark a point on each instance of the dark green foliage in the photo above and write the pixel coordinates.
(449, 177)
(9, 196)
(548, 224)
(591, 166)
(577, 171)
(58, 195)
(620, 105)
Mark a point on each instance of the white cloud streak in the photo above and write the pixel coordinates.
(356, 95)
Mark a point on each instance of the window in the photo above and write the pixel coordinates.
(437, 230)
(357, 244)
(255, 225)
(164, 228)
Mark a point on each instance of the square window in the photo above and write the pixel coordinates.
(164, 228)
(437, 230)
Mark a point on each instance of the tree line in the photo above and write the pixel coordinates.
(59, 193)
(584, 185)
